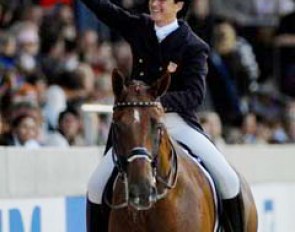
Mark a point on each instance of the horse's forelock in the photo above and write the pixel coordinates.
(137, 88)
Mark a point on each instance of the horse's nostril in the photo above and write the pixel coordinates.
(133, 191)
(145, 193)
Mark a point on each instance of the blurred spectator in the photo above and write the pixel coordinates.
(252, 12)
(279, 134)
(65, 15)
(7, 50)
(89, 46)
(6, 13)
(262, 39)
(52, 48)
(88, 79)
(105, 61)
(233, 135)
(233, 74)
(24, 132)
(267, 103)
(34, 14)
(212, 126)
(67, 91)
(258, 130)
(28, 44)
(39, 82)
(16, 88)
(71, 58)
(68, 132)
(249, 129)
(13, 89)
(104, 122)
(290, 113)
(103, 92)
(285, 41)
(201, 20)
(44, 63)
(264, 132)
(123, 57)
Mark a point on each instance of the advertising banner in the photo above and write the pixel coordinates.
(43, 215)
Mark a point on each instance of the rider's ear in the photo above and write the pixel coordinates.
(160, 87)
(118, 82)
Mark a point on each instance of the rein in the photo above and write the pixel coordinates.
(121, 163)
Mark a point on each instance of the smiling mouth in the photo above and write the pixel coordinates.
(155, 11)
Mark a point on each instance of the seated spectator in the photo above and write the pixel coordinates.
(88, 79)
(267, 103)
(24, 132)
(212, 126)
(232, 75)
(68, 90)
(68, 132)
(39, 82)
(279, 134)
(249, 129)
(28, 44)
(264, 132)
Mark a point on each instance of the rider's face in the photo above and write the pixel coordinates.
(164, 12)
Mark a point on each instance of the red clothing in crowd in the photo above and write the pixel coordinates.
(49, 3)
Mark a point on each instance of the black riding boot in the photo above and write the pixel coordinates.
(96, 217)
(233, 213)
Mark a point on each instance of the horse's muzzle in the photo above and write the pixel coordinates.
(142, 197)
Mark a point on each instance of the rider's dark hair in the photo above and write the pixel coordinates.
(183, 12)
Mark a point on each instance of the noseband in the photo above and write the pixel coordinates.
(121, 162)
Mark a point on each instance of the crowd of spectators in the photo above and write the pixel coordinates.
(54, 57)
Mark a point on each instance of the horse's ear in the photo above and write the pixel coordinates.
(160, 87)
(118, 82)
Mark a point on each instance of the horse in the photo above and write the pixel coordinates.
(158, 186)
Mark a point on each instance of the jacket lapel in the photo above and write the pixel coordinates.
(173, 42)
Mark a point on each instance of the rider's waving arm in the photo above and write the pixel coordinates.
(112, 15)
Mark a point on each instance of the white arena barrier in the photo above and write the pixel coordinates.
(43, 190)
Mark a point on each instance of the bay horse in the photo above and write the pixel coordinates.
(158, 186)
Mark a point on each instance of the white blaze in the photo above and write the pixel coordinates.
(136, 116)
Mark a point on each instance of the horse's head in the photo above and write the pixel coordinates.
(137, 128)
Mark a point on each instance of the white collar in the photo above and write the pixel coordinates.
(163, 32)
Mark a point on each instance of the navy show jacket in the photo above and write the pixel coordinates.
(151, 58)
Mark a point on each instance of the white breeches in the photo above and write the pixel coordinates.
(225, 177)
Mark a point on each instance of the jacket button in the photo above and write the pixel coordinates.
(140, 60)
(141, 74)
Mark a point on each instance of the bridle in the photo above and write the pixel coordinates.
(121, 162)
